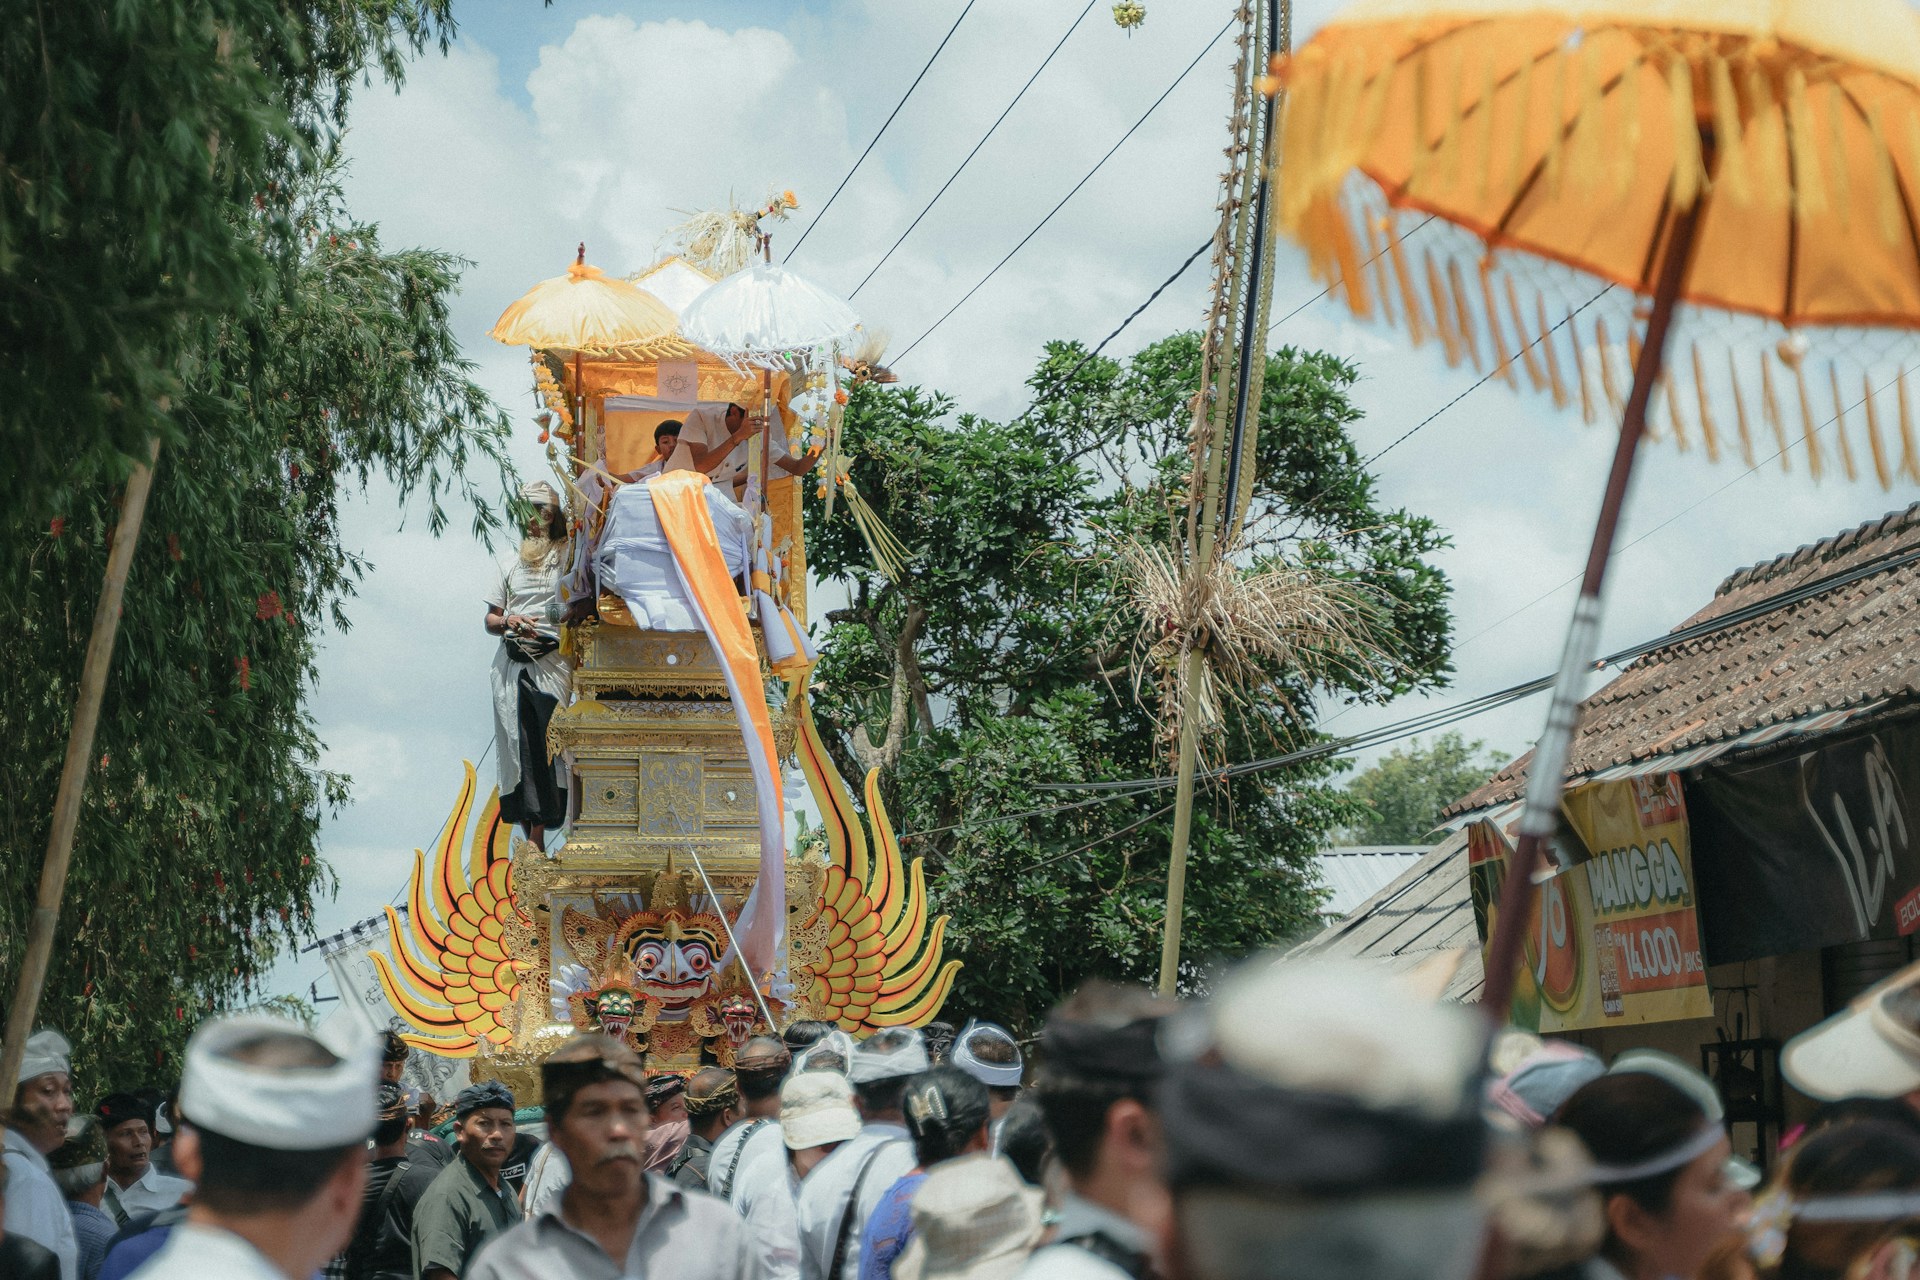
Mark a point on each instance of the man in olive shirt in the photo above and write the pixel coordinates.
(468, 1204)
(614, 1220)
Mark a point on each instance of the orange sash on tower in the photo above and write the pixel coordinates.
(681, 504)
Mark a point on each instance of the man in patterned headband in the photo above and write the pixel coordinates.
(469, 1204)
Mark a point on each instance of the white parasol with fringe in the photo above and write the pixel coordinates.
(770, 317)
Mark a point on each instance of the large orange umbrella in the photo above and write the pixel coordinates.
(586, 312)
(1758, 160)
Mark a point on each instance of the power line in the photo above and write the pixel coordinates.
(883, 130)
(976, 150)
(1070, 194)
(1693, 506)
(1490, 375)
(1440, 717)
(1153, 297)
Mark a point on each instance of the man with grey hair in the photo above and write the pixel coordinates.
(1324, 1125)
(37, 1123)
(79, 1167)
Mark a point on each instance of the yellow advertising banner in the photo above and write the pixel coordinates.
(1615, 939)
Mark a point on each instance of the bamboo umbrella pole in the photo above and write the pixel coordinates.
(32, 978)
(1546, 775)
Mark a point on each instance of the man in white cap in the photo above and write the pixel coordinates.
(36, 1125)
(817, 1117)
(840, 1195)
(988, 1052)
(530, 677)
(1871, 1049)
(275, 1140)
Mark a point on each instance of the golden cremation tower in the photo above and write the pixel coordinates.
(676, 915)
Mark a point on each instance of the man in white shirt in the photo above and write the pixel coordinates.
(839, 1196)
(759, 1068)
(817, 1117)
(37, 1124)
(134, 1186)
(275, 1138)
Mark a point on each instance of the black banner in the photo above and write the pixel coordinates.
(1812, 849)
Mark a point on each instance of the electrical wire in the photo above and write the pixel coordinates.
(971, 154)
(1067, 378)
(1440, 717)
(808, 230)
(1098, 165)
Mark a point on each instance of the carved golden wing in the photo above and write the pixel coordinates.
(882, 963)
(450, 974)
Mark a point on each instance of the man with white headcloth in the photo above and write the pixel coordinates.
(1324, 1124)
(988, 1052)
(37, 1124)
(838, 1196)
(275, 1138)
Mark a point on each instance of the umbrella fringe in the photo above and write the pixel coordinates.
(1463, 310)
(1503, 367)
(1409, 297)
(1840, 424)
(1377, 257)
(1771, 411)
(1442, 312)
(1709, 433)
(1536, 375)
(1874, 440)
(1560, 397)
(1732, 171)
(1588, 414)
(1674, 420)
(1603, 354)
(1740, 411)
(1909, 449)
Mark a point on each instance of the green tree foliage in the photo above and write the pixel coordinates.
(1000, 668)
(1403, 795)
(175, 261)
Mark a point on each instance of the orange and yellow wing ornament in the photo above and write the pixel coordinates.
(450, 973)
(881, 962)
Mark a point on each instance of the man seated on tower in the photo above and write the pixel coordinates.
(631, 557)
(725, 437)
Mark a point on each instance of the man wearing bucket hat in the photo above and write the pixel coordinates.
(1871, 1049)
(1324, 1125)
(817, 1117)
(838, 1197)
(276, 1144)
(36, 1124)
(973, 1219)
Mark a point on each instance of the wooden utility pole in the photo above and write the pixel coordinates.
(1226, 411)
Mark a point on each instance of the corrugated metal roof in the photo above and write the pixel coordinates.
(1849, 649)
(1355, 872)
(1426, 909)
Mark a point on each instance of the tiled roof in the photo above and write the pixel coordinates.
(1856, 644)
(1426, 910)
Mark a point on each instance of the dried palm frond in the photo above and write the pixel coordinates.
(1252, 627)
(723, 241)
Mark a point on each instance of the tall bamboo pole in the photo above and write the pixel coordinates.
(32, 978)
(1243, 343)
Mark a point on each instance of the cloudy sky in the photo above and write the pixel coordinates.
(605, 121)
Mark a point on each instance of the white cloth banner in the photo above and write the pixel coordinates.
(362, 998)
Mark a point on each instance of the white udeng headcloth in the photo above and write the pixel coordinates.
(1005, 1075)
(47, 1052)
(285, 1108)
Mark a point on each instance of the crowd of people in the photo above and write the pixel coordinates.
(1307, 1122)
